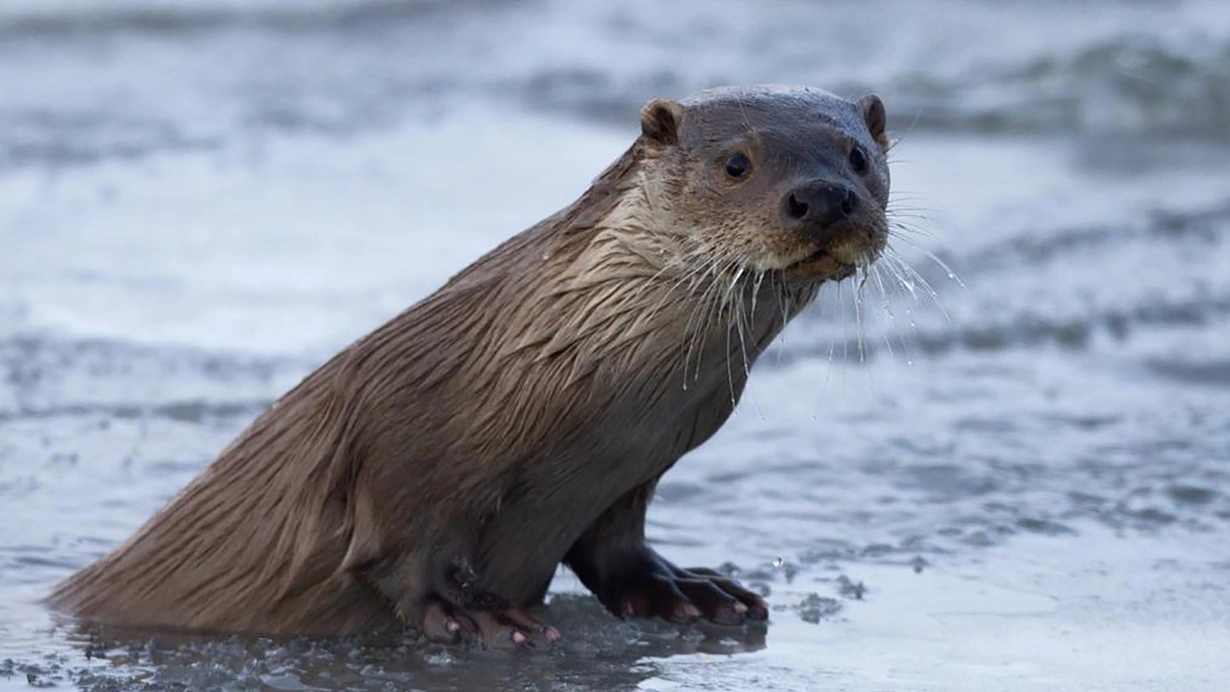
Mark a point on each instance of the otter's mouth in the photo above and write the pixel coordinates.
(821, 265)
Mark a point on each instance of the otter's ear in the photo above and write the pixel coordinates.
(873, 114)
(660, 121)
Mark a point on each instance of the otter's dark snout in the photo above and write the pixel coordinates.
(817, 205)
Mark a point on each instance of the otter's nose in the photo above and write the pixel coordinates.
(817, 205)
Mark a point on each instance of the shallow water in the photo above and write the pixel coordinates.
(1022, 482)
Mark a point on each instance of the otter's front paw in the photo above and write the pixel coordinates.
(505, 626)
(461, 611)
(657, 588)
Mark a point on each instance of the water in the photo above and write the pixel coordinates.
(1026, 486)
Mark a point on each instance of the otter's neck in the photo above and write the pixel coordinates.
(635, 279)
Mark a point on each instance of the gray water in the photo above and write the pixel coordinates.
(1021, 482)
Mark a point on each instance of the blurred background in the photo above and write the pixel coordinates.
(1017, 479)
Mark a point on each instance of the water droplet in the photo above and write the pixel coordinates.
(909, 361)
(546, 256)
(778, 562)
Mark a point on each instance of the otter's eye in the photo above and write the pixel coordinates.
(737, 166)
(858, 159)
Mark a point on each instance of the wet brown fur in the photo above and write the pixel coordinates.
(518, 417)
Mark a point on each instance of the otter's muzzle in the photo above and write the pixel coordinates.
(816, 206)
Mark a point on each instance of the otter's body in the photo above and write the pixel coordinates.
(437, 472)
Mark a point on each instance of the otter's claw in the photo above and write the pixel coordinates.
(509, 628)
(746, 602)
(660, 589)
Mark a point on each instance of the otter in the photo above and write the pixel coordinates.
(434, 474)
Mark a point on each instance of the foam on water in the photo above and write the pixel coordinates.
(126, 78)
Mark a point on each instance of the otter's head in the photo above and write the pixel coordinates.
(787, 180)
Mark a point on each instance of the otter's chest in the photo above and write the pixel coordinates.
(552, 500)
